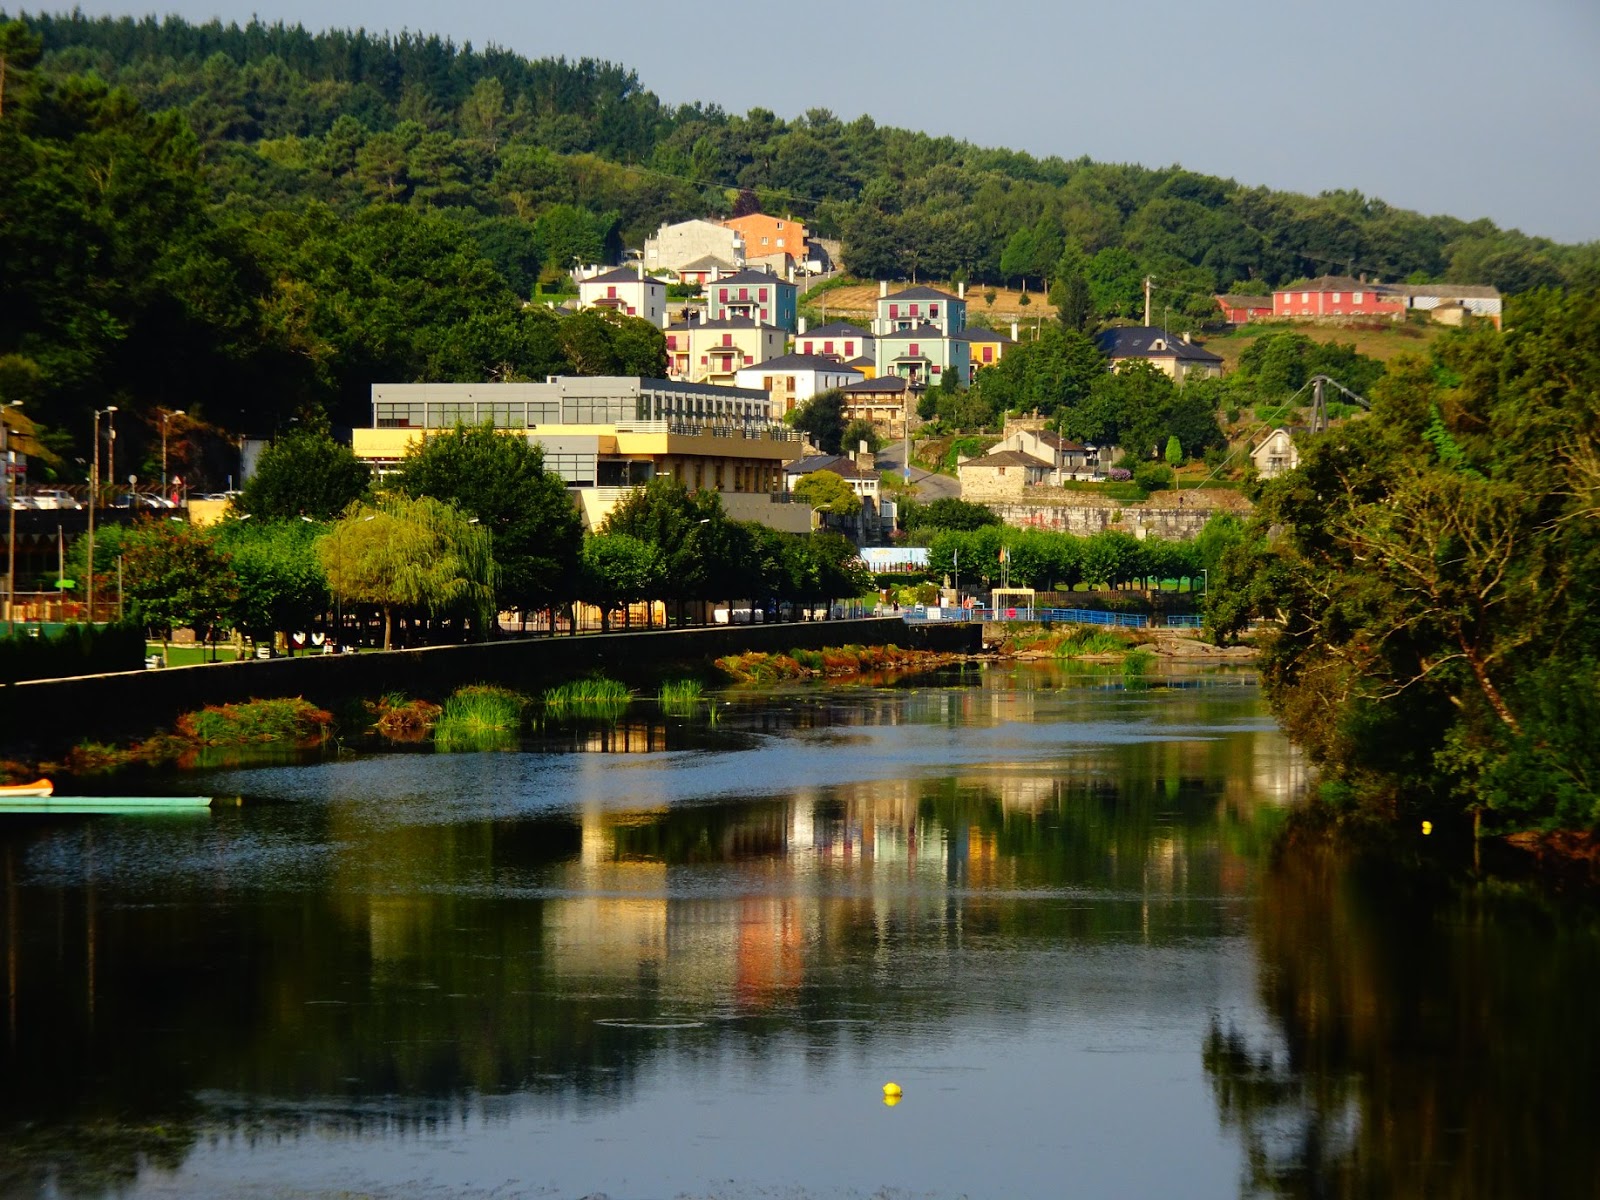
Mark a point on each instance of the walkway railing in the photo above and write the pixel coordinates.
(1064, 616)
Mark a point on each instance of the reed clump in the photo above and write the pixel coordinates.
(1136, 665)
(480, 717)
(595, 696)
(279, 720)
(680, 697)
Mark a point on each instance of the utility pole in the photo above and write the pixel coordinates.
(8, 464)
(165, 416)
(1147, 282)
(94, 499)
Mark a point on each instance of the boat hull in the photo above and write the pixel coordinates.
(103, 804)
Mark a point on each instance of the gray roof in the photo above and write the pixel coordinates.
(748, 276)
(621, 275)
(883, 383)
(916, 331)
(728, 323)
(837, 329)
(922, 293)
(861, 360)
(975, 334)
(1141, 341)
(1451, 291)
(708, 263)
(1235, 301)
(805, 362)
(1007, 458)
(840, 464)
(1339, 283)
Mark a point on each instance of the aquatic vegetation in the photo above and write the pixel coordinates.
(1136, 667)
(680, 697)
(480, 717)
(402, 719)
(830, 661)
(595, 696)
(280, 720)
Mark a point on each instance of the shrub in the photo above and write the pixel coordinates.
(287, 720)
(1152, 477)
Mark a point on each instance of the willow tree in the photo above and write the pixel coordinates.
(404, 555)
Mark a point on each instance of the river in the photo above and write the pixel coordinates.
(670, 957)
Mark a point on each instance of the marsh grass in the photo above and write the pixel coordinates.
(681, 697)
(596, 696)
(1090, 640)
(480, 717)
(1136, 668)
(284, 720)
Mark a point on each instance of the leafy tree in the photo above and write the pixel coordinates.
(597, 342)
(306, 474)
(1174, 452)
(618, 570)
(827, 492)
(281, 586)
(682, 526)
(173, 575)
(406, 556)
(858, 431)
(949, 512)
(822, 419)
(1074, 304)
(499, 479)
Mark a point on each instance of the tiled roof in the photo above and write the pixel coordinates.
(1146, 341)
(709, 263)
(974, 334)
(619, 275)
(805, 362)
(748, 276)
(1246, 301)
(883, 383)
(839, 464)
(837, 329)
(726, 325)
(1007, 458)
(1451, 291)
(922, 293)
(861, 361)
(1055, 440)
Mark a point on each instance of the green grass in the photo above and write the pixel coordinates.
(289, 720)
(680, 697)
(596, 696)
(1136, 667)
(1090, 640)
(480, 717)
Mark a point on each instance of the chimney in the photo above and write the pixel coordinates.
(961, 289)
(641, 270)
(802, 325)
(883, 288)
(1013, 331)
(1188, 339)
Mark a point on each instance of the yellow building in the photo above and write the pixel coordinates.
(607, 435)
(714, 351)
(987, 346)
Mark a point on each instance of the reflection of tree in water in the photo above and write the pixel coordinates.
(1429, 1041)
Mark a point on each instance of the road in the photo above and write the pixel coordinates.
(929, 485)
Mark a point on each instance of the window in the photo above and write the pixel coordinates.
(761, 295)
(1356, 297)
(763, 314)
(933, 312)
(850, 349)
(894, 311)
(807, 349)
(1336, 296)
(780, 226)
(1305, 297)
(915, 350)
(913, 310)
(790, 382)
(935, 368)
(763, 241)
(744, 293)
(766, 383)
(827, 347)
(611, 293)
(727, 339)
(780, 243)
(988, 354)
(722, 295)
(672, 341)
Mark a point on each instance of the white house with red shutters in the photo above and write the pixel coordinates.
(1338, 296)
(627, 290)
(837, 339)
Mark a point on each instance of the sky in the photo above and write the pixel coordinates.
(1478, 108)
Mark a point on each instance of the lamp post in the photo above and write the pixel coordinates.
(165, 417)
(94, 497)
(8, 465)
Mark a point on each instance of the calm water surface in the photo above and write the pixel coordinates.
(672, 958)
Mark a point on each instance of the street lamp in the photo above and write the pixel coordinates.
(8, 465)
(94, 493)
(165, 416)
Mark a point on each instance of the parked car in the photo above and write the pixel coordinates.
(55, 498)
(141, 500)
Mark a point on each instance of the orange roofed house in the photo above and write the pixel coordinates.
(766, 236)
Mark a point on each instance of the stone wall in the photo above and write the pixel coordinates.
(46, 716)
(1176, 515)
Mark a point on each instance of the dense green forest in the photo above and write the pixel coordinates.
(254, 223)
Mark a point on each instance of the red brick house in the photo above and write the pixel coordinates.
(1236, 310)
(1338, 296)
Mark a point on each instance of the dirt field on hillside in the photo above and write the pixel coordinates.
(1381, 342)
(861, 300)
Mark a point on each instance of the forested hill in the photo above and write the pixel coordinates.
(354, 118)
(252, 223)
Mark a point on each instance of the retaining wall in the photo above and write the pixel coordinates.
(50, 714)
(1177, 515)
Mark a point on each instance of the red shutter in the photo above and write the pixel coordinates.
(894, 310)
(915, 349)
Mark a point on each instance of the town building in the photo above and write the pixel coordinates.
(792, 379)
(765, 236)
(1236, 310)
(1001, 475)
(716, 351)
(1275, 454)
(883, 401)
(1172, 354)
(605, 435)
(1450, 303)
(858, 471)
(837, 339)
(676, 245)
(1337, 296)
(705, 270)
(626, 290)
(753, 296)
(923, 354)
(986, 346)
(915, 307)
(1067, 459)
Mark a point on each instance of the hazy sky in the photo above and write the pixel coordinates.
(1473, 108)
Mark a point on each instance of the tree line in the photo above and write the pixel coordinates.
(469, 527)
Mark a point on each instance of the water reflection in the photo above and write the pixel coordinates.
(667, 945)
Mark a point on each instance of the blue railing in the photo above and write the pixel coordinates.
(1185, 621)
(1064, 616)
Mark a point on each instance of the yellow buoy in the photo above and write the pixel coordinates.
(1427, 828)
(891, 1089)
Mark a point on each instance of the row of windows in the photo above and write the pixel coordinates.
(911, 310)
(600, 410)
(827, 348)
